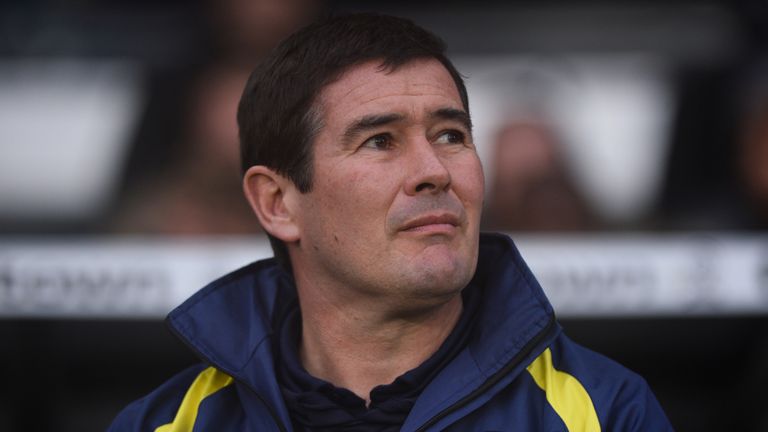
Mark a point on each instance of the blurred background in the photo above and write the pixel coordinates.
(625, 147)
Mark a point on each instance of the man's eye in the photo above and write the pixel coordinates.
(451, 137)
(378, 142)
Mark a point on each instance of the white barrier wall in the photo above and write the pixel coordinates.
(614, 275)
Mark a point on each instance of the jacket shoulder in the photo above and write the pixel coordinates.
(176, 401)
(621, 399)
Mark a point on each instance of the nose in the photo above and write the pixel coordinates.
(427, 171)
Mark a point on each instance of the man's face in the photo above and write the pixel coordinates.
(397, 191)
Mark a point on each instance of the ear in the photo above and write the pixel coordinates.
(272, 198)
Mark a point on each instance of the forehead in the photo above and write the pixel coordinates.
(368, 87)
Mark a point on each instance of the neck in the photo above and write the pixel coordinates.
(360, 350)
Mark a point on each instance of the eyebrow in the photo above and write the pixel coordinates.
(453, 114)
(370, 122)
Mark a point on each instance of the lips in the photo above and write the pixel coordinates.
(434, 221)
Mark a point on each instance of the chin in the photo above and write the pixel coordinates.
(439, 276)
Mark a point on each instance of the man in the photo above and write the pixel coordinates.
(377, 313)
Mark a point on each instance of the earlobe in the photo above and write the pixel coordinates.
(269, 195)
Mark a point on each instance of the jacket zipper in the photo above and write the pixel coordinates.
(271, 409)
(495, 378)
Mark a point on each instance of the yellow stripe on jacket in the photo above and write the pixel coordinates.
(208, 382)
(565, 393)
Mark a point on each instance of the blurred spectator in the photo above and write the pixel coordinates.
(187, 181)
(532, 189)
(753, 150)
(245, 30)
(717, 173)
(200, 193)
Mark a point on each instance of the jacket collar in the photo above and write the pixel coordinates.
(229, 325)
(516, 323)
(514, 307)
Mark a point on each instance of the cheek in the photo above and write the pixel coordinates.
(470, 183)
(360, 197)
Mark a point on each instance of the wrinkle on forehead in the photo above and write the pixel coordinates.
(357, 86)
(412, 87)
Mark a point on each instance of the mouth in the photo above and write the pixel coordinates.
(436, 224)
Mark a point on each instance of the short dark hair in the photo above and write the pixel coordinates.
(278, 116)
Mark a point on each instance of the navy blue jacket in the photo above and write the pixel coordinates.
(519, 372)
